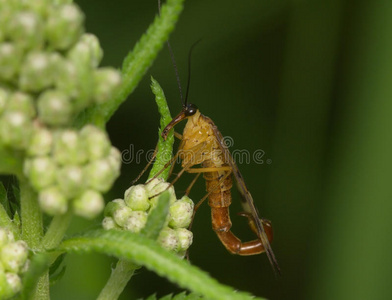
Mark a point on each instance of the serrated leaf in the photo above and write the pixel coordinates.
(148, 253)
(157, 217)
(164, 148)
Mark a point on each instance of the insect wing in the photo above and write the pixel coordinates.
(247, 200)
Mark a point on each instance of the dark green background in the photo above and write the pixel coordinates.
(309, 83)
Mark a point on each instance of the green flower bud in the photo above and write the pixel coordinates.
(36, 72)
(14, 255)
(69, 148)
(14, 282)
(6, 236)
(40, 143)
(121, 215)
(99, 175)
(108, 223)
(41, 172)
(26, 30)
(136, 198)
(52, 201)
(77, 81)
(64, 26)
(136, 221)
(181, 213)
(112, 206)
(155, 187)
(54, 108)
(37, 6)
(89, 204)
(88, 50)
(107, 83)
(21, 102)
(10, 61)
(168, 239)
(115, 160)
(15, 129)
(97, 142)
(71, 181)
(185, 238)
(3, 99)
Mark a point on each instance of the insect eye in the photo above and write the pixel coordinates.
(191, 109)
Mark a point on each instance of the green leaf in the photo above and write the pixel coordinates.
(156, 219)
(38, 265)
(4, 199)
(136, 63)
(164, 148)
(146, 252)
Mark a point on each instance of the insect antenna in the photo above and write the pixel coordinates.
(189, 70)
(173, 61)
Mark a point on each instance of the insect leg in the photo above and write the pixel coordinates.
(188, 190)
(146, 167)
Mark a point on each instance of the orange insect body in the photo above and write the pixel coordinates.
(200, 145)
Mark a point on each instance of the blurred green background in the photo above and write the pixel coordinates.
(307, 82)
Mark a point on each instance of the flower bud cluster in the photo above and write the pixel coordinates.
(131, 214)
(13, 261)
(48, 74)
(46, 56)
(68, 167)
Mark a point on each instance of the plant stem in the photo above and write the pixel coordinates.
(32, 230)
(56, 230)
(118, 280)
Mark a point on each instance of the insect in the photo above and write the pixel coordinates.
(203, 144)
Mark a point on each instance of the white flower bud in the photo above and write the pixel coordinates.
(69, 148)
(88, 50)
(34, 64)
(10, 60)
(52, 201)
(185, 238)
(155, 187)
(26, 30)
(21, 102)
(168, 239)
(99, 175)
(108, 223)
(41, 172)
(15, 129)
(14, 255)
(96, 141)
(136, 198)
(112, 206)
(89, 204)
(54, 108)
(136, 221)
(115, 160)
(121, 215)
(6, 236)
(64, 26)
(14, 282)
(107, 83)
(40, 143)
(181, 213)
(70, 180)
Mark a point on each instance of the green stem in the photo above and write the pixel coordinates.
(118, 280)
(136, 63)
(10, 162)
(56, 230)
(32, 230)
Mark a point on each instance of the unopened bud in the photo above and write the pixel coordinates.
(185, 238)
(52, 201)
(14, 256)
(14, 282)
(89, 204)
(4, 96)
(155, 187)
(64, 26)
(181, 213)
(136, 221)
(121, 215)
(40, 143)
(34, 64)
(15, 129)
(136, 198)
(108, 223)
(54, 108)
(69, 148)
(168, 239)
(71, 180)
(100, 175)
(96, 141)
(107, 82)
(21, 102)
(112, 206)
(41, 172)
(10, 61)
(87, 50)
